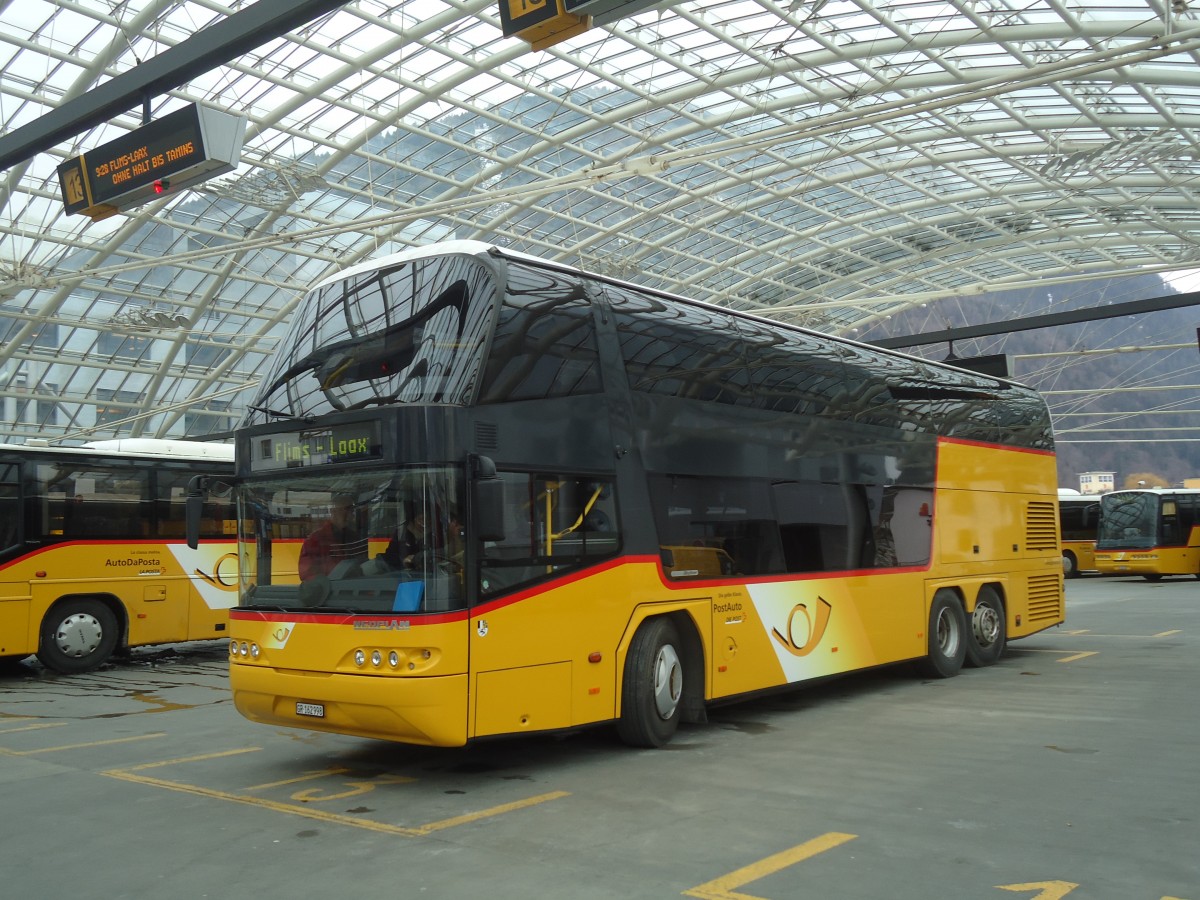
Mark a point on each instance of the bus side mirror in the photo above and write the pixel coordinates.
(489, 500)
(198, 490)
(194, 508)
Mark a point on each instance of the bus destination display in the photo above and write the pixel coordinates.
(316, 447)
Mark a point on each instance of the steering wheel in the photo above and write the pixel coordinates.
(439, 562)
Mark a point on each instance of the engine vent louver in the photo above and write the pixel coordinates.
(487, 436)
(1045, 598)
(1041, 517)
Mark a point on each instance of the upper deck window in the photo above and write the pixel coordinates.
(409, 334)
(680, 350)
(545, 343)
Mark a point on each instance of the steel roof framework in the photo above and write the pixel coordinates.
(825, 161)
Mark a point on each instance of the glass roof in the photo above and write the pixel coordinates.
(830, 162)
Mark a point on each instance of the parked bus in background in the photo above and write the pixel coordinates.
(93, 557)
(625, 506)
(1150, 532)
(1078, 519)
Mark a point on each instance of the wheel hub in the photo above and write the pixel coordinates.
(78, 635)
(668, 681)
(947, 633)
(986, 625)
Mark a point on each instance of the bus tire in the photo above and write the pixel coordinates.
(78, 634)
(652, 691)
(1070, 564)
(1154, 577)
(947, 636)
(986, 629)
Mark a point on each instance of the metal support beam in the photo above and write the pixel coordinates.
(1050, 320)
(211, 47)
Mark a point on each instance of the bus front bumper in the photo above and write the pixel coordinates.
(426, 710)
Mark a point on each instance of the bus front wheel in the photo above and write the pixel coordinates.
(987, 632)
(947, 636)
(1070, 564)
(653, 687)
(77, 635)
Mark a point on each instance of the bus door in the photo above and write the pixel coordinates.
(536, 619)
(14, 594)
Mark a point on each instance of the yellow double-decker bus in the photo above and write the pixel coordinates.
(1149, 532)
(482, 494)
(93, 556)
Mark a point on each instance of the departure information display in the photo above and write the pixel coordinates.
(154, 151)
(182, 148)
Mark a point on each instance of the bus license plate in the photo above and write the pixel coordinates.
(311, 709)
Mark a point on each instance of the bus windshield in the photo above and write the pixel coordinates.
(366, 542)
(1128, 520)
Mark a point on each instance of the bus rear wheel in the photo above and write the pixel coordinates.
(947, 637)
(987, 632)
(653, 686)
(77, 635)
(1070, 564)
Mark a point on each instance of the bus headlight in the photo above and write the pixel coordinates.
(360, 657)
(393, 659)
(376, 658)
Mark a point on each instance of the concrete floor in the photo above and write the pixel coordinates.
(1071, 768)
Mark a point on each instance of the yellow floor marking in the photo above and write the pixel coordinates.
(353, 788)
(38, 727)
(1070, 658)
(1050, 890)
(309, 812)
(140, 737)
(1166, 633)
(494, 811)
(323, 773)
(141, 767)
(723, 888)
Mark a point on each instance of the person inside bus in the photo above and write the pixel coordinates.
(336, 539)
(415, 538)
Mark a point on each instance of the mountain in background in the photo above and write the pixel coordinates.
(1112, 411)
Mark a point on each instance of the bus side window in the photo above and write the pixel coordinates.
(716, 527)
(10, 507)
(553, 523)
(824, 526)
(94, 502)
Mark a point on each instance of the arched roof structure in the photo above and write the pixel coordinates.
(824, 161)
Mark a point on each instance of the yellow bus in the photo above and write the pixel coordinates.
(630, 506)
(1149, 532)
(1078, 520)
(93, 556)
